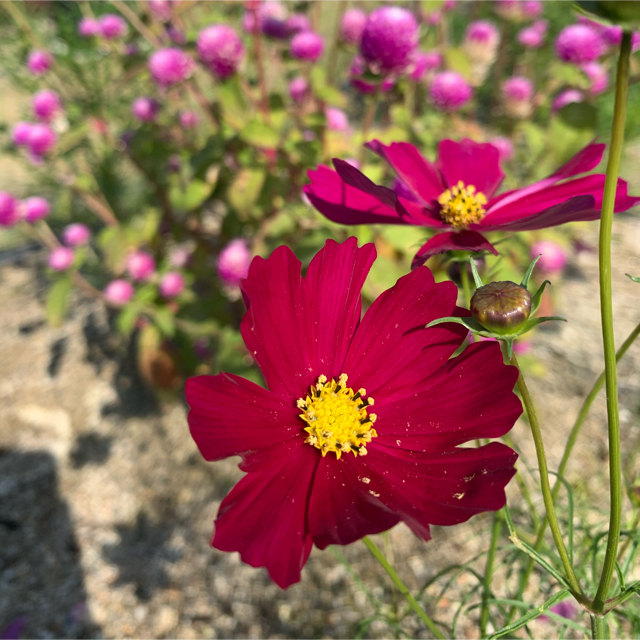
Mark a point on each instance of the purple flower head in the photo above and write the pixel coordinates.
(145, 109)
(39, 62)
(189, 119)
(249, 24)
(42, 138)
(13, 631)
(161, 9)
(449, 91)
(533, 36)
(272, 20)
(35, 208)
(449, 5)
(423, 63)
(366, 86)
(46, 104)
(352, 25)
(579, 43)
(568, 96)
(298, 23)
(481, 41)
(532, 8)
(233, 263)
(76, 234)
(611, 35)
(307, 46)
(598, 77)
(389, 39)
(170, 66)
(517, 93)
(221, 49)
(88, 27)
(566, 608)
(9, 210)
(504, 147)
(336, 119)
(635, 41)
(299, 89)
(553, 259)
(61, 258)
(112, 26)
(21, 132)
(172, 284)
(118, 292)
(141, 265)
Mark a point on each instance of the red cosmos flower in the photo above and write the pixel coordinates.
(322, 468)
(458, 193)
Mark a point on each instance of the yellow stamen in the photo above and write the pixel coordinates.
(337, 417)
(462, 206)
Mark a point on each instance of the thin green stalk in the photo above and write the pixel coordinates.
(606, 309)
(367, 122)
(597, 627)
(466, 287)
(395, 578)
(544, 480)
(488, 573)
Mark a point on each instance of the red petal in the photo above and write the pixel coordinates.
(297, 330)
(419, 174)
(472, 162)
(345, 204)
(264, 516)
(470, 397)
(466, 240)
(339, 511)
(232, 416)
(391, 349)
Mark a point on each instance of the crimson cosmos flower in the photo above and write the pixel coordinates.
(322, 468)
(458, 193)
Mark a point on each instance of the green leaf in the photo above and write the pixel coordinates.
(126, 320)
(533, 322)
(579, 115)
(191, 197)
(259, 134)
(233, 102)
(634, 278)
(525, 280)
(476, 276)
(470, 323)
(149, 224)
(458, 60)
(245, 190)
(536, 298)
(58, 301)
(323, 90)
(165, 321)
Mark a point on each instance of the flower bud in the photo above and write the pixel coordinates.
(88, 27)
(161, 9)
(46, 104)
(21, 132)
(481, 41)
(449, 91)
(35, 208)
(61, 258)
(532, 8)
(42, 138)
(172, 284)
(298, 89)
(307, 46)
(579, 43)
(533, 36)
(9, 210)
(39, 62)
(145, 109)
(598, 77)
(272, 20)
(233, 263)
(517, 93)
(141, 265)
(352, 25)
(170, 66)
(76, 234)
(501, 307)
(112, 26)
(221, 49)
(118, 292)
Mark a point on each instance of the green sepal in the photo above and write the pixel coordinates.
(476, 276)
(537, 297)
(533, 322)
(634, 278)
(527, 275)
(470, 323)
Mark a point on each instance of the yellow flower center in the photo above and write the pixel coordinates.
(462, 206)
(337, 417)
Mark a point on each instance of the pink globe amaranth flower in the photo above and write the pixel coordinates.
(307, 46)
(568, 96)
(21, 132)
(504, 147)
(35, 208)
(189, 119)
(9, 209)
(46, 105)
(517, 93)
(389, 39)
(612, 35)
(299, 89)
(42, 139)
(141, 265)
(336, 119)
(434, 18)
(306, 333)
(88, 27)
(118, 292)
(566, 609)
(272, 20)
(145, 109)
(553, 256)
(161, 9)
(76, 234)
(532, 8)
(233, 263)
(598, 77)
(367, 86)
(579, 43)
(170, 66)
(471, 170)
(425, 62)
(449, 5)
(298, 23)
(112, 26)
(39, 62)
(481, 41)
(172, 284)
(449, 91)
(352, 25)
(221, 49)
(61, 258)
(533, 37)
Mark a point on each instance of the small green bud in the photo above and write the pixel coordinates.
(501, 307)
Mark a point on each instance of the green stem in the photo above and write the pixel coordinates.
(395, 578)
(466, 287)
(488, 573)
(544, 480)
(597, 627)
(367, 122)
(606, 308)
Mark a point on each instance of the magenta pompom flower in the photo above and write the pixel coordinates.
(88, 27)
(579, 43)
(170, 66)
(39, 62)
(457, 194)
(9, 209)
(449, 91)
(324, 464)
(533, 36)
(481, 41)
(568, 96)
(141, 265)
(517, 93)
(35, 208)
(598, 77)
(553, 257)
(172, 284)
(61, 258)
(221, 49)
(233, 262)
(504, 147)
(189, 119)
(76, 234)
(299, 89)
(352, 25)
(307, 46)
(118, 292)
(336, 119)
(20, 133)
(145, 109)
(42, 138)
(112, 26)
(46, 105)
